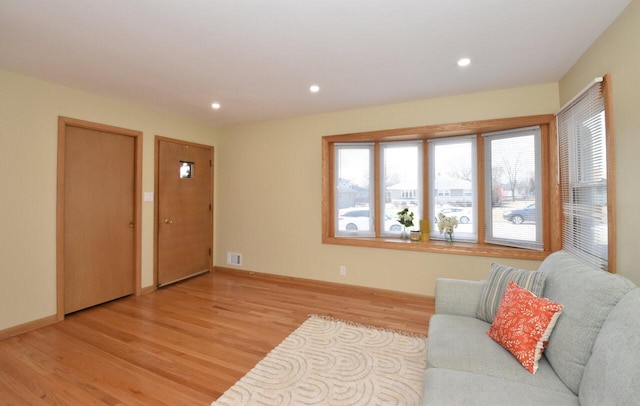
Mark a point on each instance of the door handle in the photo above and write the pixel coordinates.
(168, 221)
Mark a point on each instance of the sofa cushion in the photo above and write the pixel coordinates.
(497, 281)
(587, 295)
(612, 375)
(461, 343)
(523, 324)
(458, 296)
(443, 387)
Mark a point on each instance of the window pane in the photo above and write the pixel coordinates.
(401, 189)
(354, 194)
(513, 173)
(452, 174)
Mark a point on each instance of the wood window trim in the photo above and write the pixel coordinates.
(611, 178)
(552, 239)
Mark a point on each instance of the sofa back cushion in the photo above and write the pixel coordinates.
(497, 282)
(587, 295)
(612, 375)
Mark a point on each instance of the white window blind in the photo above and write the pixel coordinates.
(582, 149)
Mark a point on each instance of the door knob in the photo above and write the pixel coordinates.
(131, 225)
(168, 221)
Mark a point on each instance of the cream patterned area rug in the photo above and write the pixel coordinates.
(331, 362)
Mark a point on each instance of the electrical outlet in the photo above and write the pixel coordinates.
(343, 270)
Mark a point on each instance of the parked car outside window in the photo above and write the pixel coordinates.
(358, 219)
(519, 216)
(462, 213)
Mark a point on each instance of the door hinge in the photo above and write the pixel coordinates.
(210, 164)
(209, 251)
(209, 206)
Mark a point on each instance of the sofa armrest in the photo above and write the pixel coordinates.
(458, 297)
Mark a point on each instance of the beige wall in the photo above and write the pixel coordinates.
(617, 52)
(29, 110)
(269, 193)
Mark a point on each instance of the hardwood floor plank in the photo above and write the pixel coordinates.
(46, 387)
(184, 344)
(117, 376)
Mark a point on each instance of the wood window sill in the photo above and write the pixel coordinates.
(438, 246)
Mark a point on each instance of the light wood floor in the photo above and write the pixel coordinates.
(184, 344)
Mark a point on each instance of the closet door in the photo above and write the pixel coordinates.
(99, 216)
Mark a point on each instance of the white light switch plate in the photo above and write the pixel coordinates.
(148, 196)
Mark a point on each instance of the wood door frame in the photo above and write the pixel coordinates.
(156, 216)
(63, 122)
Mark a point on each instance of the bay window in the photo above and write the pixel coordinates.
(492, 175)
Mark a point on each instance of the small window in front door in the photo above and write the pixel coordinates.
(186, 170)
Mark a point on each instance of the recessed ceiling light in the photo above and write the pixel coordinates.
(215, 106)
(314, 88)
(464, 62)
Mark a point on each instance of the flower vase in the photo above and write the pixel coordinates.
(449, 236)
(403, 234)
(424, 230)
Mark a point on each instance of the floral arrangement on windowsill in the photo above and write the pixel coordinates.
(405, 217)
(446, 226)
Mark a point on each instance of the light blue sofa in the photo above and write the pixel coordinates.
(593, 355)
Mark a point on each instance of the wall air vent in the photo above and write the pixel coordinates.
(234, 258)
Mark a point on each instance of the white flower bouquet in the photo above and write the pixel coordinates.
(446, 225)
(405, 217)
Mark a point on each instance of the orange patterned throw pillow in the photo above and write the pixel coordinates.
(523, 324)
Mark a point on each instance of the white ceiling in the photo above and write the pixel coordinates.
(259, 57)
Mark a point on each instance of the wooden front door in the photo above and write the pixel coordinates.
(184, 179)
(98, 209)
